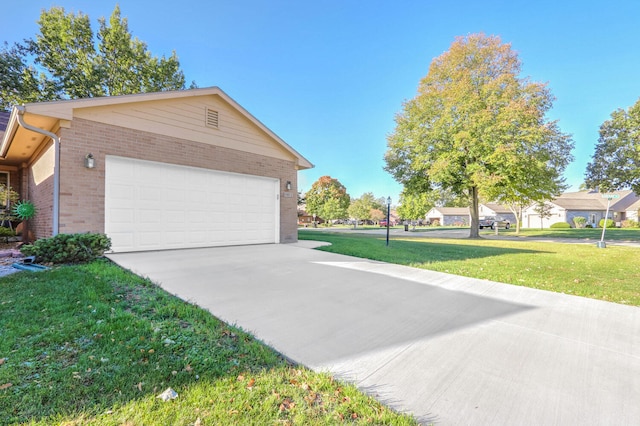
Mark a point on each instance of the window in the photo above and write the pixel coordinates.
(4, 190)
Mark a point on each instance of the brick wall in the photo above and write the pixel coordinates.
(82, 189)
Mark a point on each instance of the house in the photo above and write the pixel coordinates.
(448, 216)
(498, 210)
(591, 205)
(174, 169)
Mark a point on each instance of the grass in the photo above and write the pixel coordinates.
(610, 274)
(94, 344)
(593, 234)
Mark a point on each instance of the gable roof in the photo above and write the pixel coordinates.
(592, 200)
(451, 211)
(46, 114)
(498, 208)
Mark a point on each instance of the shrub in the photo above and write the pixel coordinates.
(630, 223)
(68, 248)
(588, 225)
(435, 222)
(610, 223)
(579, 221)
(560, 225)
(5, 233)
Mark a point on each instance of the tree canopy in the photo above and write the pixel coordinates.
(62, 61)
(616, 161)
(477, 129)
(328, 199)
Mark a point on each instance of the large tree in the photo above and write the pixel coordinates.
(361, 208)
(478, 129)
(327, 197)
(62, 62)
(616, 161)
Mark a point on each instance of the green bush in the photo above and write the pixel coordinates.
(68, 248)
(588, 225)
(610, 223)
(560, 225)
(630, 223)
(579, 221)
(6, 233)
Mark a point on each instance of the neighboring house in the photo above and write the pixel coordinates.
(164, 170)
(448, 216)
(589, 204)
(633, 211)
(498, 210)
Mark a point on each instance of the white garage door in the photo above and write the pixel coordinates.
(152, 206)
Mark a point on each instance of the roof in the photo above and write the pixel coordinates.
(592, 200)
(498, 208)
(4, 119)
(452, 211)
(45, 114)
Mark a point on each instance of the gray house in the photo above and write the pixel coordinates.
(591, 205)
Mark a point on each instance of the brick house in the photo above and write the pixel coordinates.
(173, 169)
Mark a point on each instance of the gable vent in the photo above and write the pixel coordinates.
(212, 118)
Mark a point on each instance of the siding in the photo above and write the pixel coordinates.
(185, 119)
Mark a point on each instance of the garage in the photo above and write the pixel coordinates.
(153, 206)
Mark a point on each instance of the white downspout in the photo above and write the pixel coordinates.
(56, 166)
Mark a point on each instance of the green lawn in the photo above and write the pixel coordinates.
(610, 274)
(594, 234)
(93, 344)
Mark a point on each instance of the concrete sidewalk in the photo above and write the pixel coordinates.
(448, 349)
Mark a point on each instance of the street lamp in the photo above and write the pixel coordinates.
(388, 211)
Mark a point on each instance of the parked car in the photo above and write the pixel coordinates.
(493, 222)
(383, 222)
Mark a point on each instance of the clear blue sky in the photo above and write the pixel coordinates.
(329, 76)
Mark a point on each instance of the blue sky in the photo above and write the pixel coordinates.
(329, 76)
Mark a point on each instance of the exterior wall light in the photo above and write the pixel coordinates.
(89, 161)
(288, 185)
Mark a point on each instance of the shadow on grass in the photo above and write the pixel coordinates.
(408, 252)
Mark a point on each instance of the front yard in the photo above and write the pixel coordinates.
(94, 344)
(610, 274)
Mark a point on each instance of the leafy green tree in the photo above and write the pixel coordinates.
(65, 63)
(415, 206)
(19, 82)
(476, 128)
(125, 64)
(360, 208)
(330, 192)
(616, 160)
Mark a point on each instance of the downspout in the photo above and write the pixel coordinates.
(56, 165)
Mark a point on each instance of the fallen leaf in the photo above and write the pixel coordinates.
(188, 368)
(139, 386)
(251, 383)
(6, 386)
(2, 360)
(240, 378)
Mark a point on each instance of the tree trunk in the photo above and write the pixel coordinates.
(474, 232)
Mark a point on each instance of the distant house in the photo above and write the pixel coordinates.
(448, 216)
(591, 205)
(495, 209)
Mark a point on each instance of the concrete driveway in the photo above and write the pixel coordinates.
(450, 350)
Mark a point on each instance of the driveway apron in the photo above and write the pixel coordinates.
(448, 349)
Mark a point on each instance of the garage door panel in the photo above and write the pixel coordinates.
(150, 206)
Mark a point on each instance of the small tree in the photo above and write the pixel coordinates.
(544, 211)
(580, 221)
(360, 208)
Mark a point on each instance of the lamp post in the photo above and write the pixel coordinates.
(388, 211)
